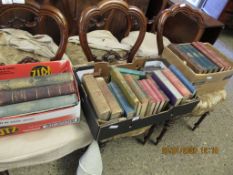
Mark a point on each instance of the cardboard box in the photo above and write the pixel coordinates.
(205, 83)
(41, 120)
(102, 131)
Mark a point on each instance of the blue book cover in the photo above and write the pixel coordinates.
(127, 108)
(183, 79)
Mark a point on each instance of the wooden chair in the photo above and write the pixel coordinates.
(31, 16)
(179, 24)
(49, 144)
(101, 16)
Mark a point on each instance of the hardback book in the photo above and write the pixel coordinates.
(96, 96)
(129, 111)
(167, 87)
(212, 55)
(188, 60)
(183, 79)
(28, 94)
(202, 59)
(141, 74)
(21, 83)
(117, 77)
(37, 106)
(177, 83)
(116, 110)
(162, 98)
(38, 117)
(139, 93)
(155, 100)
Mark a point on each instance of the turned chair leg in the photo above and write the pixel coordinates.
(147, 135)
(197, 124)
(166, 125)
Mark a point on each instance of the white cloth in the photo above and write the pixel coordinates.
(148, 47)
(101, 39)
(42, 45)
(42, 146)
(91, 162)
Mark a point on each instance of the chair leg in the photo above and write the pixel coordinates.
(147, 136)
(4, 173)
(197, 124)
(166, 125)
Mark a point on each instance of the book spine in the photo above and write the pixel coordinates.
(21, 83)
(190, 54)
(35, 93)
(212, 55)
(96, 97)
(212, 67)
(119, 79)
(37, 106)
(177, 83)
(191, 63)
(128, 110)
(183, 79)
(116, 110)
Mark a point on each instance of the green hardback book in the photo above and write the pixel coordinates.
(37, 106)
(21, 83)
(140, 74)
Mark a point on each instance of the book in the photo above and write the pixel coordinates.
(48, 115)
(96, 96)
(37, 106)
(213, 56)
(154, 99)
(163, 100)
(177, 83)
(28, 94)
(118, 78)
(189, 61)
(20, 83)
(183, 79)
(167, 87)
(129, 111)
(141, 74)
(139, 93)
(115, 108)
(202, 59)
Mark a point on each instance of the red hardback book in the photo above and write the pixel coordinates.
(177, 83)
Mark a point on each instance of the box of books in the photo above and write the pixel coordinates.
(39, 95)
(126, 97)
(206, 67)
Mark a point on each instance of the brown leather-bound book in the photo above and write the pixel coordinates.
(212, 55)
(191, 63)
(23, 95)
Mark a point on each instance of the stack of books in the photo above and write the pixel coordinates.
(37, 102)
(201, 58)
(132, 93)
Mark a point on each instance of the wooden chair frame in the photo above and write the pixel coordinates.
(173, 11)
(111, 6)
(40, 12)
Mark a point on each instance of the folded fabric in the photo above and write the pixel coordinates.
(42, 45)
(148, 47)
(101, 39)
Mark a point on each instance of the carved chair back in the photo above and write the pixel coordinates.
(188, 27)
(35, 19)
(132, 14)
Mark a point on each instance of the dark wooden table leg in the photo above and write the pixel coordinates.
(147, 136)
(4, 173)
(162, 133)
(196, 125)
